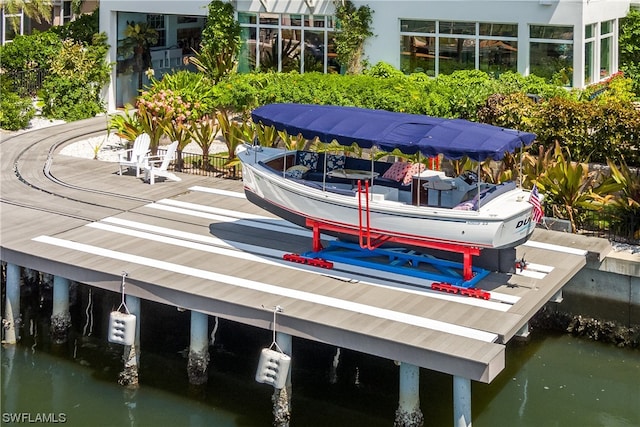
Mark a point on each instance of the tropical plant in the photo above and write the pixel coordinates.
(290, 142)
(38, 10)
(179, 130)
(220, 42)
(137, 42)
(622, 199)
(153, 118)
(353, 29)
(204, 133)
(569, 185)
(234, 133)
(192, 88)
(267, 136)
(126, 125)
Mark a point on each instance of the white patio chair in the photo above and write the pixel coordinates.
(135, 157)
(156, 166)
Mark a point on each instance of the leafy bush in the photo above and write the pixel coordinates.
(68, 99)
(629, 42)
(30, 52)
(15, 112)
(72, 89)
(82, 29)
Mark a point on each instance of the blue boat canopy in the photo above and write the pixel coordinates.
(409, 133)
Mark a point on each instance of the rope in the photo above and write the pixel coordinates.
(122, 303)
(276, 309)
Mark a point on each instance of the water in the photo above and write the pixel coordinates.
(552, 380)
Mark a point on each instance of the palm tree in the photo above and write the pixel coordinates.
(139, 37)
(37, 10)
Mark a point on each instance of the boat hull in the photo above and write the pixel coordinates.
(504, 222)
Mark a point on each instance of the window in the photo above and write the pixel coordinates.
(551, 53)
(606, 48)
(589, 53)
(66, 12)
(442, 47)
(157, 22)
(286, 42)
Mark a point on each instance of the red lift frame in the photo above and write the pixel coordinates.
(369, 240)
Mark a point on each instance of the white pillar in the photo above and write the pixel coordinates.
(409, 413)
(11, 321)
(461, 402)
(198, 349)
(129, 375)
(60, 317)
(282, 397)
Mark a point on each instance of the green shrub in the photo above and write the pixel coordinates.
(30, 52)
(15, 112)
(69, 99)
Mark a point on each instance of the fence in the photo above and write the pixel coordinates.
(193, 163)
(624, 228)
(26, 83)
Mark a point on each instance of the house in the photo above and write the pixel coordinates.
(61, 13)
(575, 42)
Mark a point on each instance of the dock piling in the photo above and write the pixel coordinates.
(11, 321)
(408, 413)
(129, 375)
(198, 349)
(60, 316)
(282, 397)
(461, 401)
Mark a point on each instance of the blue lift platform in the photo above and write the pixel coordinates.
(401, 261)
(374, 251)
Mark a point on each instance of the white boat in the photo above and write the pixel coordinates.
(431, 208)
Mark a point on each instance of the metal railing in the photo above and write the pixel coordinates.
(26, 83)
(623, 228)
(194, 163)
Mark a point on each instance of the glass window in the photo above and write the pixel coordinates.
(66, 11)
(247, 18)
(157, 22)
(606, 27)
(417, 54)
(314, 21)
(551, 32)
(268, 49)
(494, 29)
(588, 62)
(286, 42)
(268, 19)
(333, 66)
(247, 56)
(589, 31)
(290, 54)
(292, 20)
(314, 51)
(411, 26)
(605, 56)
(552, 61)
(456, 54)
(498, 56)
(446, 27)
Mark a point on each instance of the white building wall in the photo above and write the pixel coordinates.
(384, 46)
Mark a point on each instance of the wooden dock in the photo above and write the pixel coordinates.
(199, 245)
